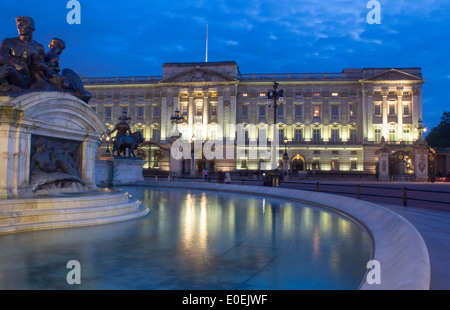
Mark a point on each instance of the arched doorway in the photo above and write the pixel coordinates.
(298, 163)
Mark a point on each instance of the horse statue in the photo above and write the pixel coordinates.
(130, 142)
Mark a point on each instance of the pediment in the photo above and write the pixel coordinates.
(392, 75)
(198, 74)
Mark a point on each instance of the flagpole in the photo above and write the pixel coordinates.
(206, 43)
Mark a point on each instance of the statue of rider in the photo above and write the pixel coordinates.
(122, 129)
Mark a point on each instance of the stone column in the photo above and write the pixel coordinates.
(88, 151)
(15, 156)
(164, 117)
(220, 114)
(190, 115)
(400, 114)
(385, 112)
(205, 117)
(369, 131)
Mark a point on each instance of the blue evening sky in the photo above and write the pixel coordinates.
(135, 37)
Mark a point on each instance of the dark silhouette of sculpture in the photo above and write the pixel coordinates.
(122, 141)
(25, 67)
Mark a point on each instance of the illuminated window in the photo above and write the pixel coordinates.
(316, 94)
(244, 95)
(281, 135)
(335, 164)
(334, 94)
(377, 132)
(407, 135)
(316, 110)
(352, 108)
(184, 110)
(392, 135)
(199, 109)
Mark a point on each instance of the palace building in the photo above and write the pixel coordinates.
(333, 122)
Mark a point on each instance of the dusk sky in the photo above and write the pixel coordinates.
(135, 37)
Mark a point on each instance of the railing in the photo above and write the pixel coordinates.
(121, 80)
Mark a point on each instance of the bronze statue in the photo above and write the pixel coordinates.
(122, 141)
(25, 67)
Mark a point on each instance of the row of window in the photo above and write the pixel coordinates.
(298, 110)
(392, 109)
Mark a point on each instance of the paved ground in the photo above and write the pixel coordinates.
(430, 217)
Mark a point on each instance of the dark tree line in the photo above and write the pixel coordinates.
(439, 136)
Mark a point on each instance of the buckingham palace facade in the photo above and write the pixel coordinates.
(332, 122)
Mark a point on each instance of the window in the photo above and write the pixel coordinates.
(298, 135)
(353, 164)
(140, 112)
(280, 111)
(334, 135)
(392, 135)
(213, 110)
(316, 136)
(352, 108)
(316, 163)
(377, 111)
(156, 134)
(298, 110)
(199, 109)
(281, 135)
(334, 94)
(391, 108)
(262, 111)
(406, 109)
(244, 110)
(407, 135)
(108, 112)
(335, 164)
(124, 110)
(334, 110)
(184, 110)
(156, 111)
(353, 135)
(316, 94)
(316, 110)
(377, 132)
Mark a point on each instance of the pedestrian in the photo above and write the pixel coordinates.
(205, 174)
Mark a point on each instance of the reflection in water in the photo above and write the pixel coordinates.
(196, 240)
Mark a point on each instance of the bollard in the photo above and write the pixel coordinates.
(358, 196)
(317, 186)
(405, 198)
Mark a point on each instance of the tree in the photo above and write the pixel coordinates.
(439, 136)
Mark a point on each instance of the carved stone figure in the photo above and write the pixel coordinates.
(25, 67)
(122, 141)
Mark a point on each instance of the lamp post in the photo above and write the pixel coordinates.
(285, 158)
(421, 129)
(108, 139)
(176, 119)
(275, 97)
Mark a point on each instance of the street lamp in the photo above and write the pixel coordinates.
(277, 98)
(108, 138)
(421, 129)
(176, 118)
(285, 140)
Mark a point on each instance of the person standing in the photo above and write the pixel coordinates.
(205, 174)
